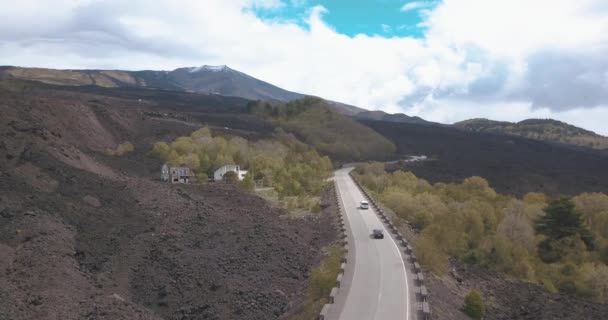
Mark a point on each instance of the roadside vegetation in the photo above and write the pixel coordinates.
(474, 306)
(322, 279)
(332, 134)
(296, 172)
(561, 244)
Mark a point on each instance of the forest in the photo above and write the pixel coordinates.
(296, 172)
(560, 243)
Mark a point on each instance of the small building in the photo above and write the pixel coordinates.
(218, 175)
(176, 174)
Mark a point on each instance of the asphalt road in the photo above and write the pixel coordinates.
(378, 284)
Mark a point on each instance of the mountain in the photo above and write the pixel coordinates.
(229, 82)
(539, 129)
(220, 80)
(394, 117)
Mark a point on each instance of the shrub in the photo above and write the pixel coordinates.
(121, 149)
(231, 177)
(473, 305)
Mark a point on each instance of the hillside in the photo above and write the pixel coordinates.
(511, 164)
(539, 129)
(220, 80)
(333, 134)
(87, 235)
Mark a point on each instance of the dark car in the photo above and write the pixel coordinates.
(378, 234)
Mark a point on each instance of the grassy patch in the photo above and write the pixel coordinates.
(322, 280)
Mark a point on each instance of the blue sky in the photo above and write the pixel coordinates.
(385, 18)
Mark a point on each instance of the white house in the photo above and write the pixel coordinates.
(219, 173)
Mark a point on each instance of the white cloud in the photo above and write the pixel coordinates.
(446, 111)
(476, 56)
(518, 27)
(416, 5)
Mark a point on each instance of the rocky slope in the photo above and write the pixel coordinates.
(84, 235)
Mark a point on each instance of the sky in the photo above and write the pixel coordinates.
(442, 60)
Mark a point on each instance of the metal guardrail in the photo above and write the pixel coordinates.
(344, 237)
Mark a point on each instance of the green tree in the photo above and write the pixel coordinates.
(473, 305)
(161, 150)
(202, 132)
(561, 221)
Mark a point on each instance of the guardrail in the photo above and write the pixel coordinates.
(343, 235)
(408, 251)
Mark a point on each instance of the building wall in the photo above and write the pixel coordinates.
(218, 175)
(180, 175)
(164, 173)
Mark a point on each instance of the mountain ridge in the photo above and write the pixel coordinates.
(391, 117)
(220, 79)
(538, 129)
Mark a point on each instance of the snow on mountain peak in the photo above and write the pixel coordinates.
(219, 68)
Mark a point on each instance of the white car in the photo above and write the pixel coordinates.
(364, 205)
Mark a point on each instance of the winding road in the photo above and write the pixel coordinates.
(377, 284)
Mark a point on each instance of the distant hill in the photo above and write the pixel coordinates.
(220, 80)
(395, 117)
(337, 135)
(539, 129)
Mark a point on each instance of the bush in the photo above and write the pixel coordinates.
(231, 177)
(121, 149)
(473, 305)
